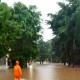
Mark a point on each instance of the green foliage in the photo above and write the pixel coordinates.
(19, 28)
(4, 16)
(66, 26)
(45, 49)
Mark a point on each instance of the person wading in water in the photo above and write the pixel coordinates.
(17, 71)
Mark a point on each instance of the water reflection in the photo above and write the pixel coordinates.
(31, 72)
(44, 72)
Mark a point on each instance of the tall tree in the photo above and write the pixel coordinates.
(4, 18)
(28, 19)
(19, 28)
(64, 25)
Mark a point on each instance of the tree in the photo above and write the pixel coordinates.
(64, 25)
(4, 18)
(28, 20)
(45, 50)
(20, 26)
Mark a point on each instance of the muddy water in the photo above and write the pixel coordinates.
(46, 71)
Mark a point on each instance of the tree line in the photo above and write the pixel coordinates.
(66, 26)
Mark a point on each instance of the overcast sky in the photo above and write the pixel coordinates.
(45, 6)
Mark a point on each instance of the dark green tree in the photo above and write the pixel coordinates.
(65, 25)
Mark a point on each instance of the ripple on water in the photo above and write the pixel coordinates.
(22, 79)
(3, 67)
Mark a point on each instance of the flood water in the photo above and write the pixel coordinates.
(47, 71)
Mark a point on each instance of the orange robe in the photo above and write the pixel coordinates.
(17, 72)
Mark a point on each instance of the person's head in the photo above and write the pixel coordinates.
(17, 62)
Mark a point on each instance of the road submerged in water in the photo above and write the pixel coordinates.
(46, 71)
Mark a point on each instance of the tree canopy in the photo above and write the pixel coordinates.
(66, 26)
(19, 28)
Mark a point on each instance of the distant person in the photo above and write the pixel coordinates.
(17, 71)
(30, 62)
(41, 60)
